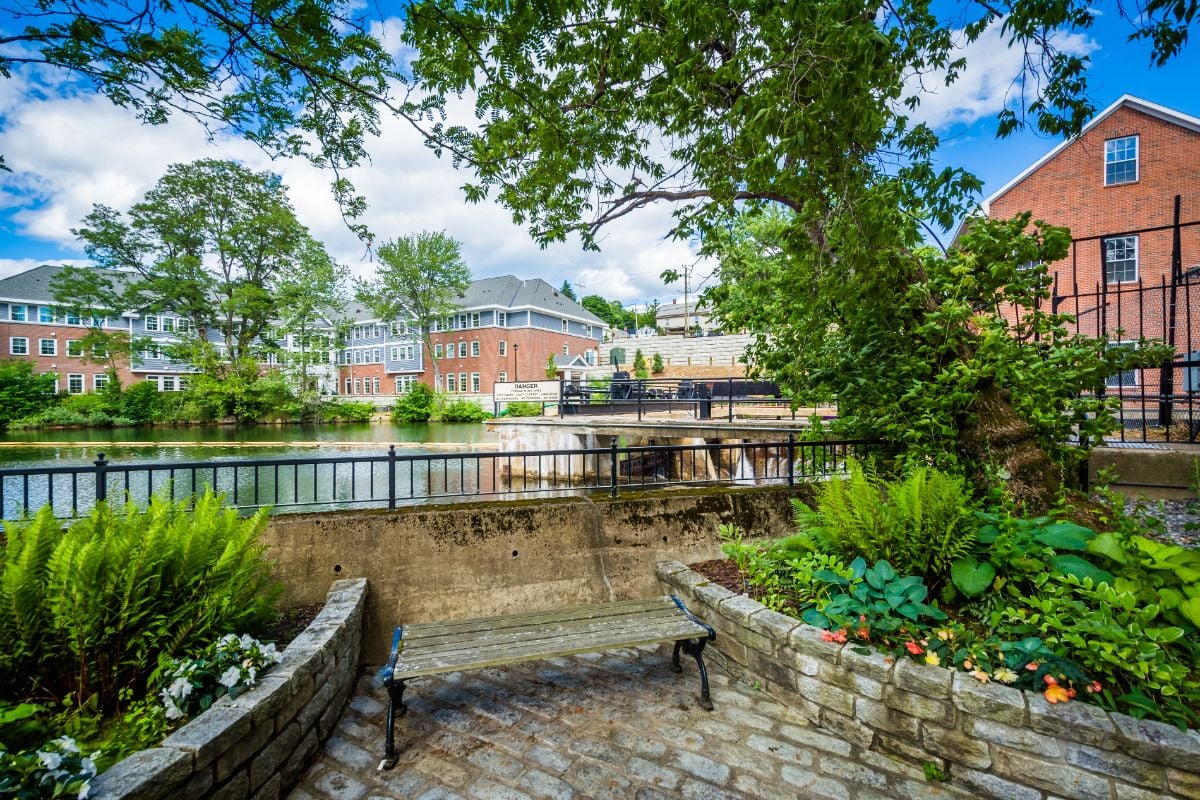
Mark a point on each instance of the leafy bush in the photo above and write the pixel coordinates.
(416, 406)
(462, 411)
(142, 402)
(86, 611)
(21, 392)
(523, 409)
(56, 769)
(639, 365)
(920, 523)
(874, 598)
(347, 411)
(657, 366)
(192, 685)
(88, 404)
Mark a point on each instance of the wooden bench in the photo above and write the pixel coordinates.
(434, 648)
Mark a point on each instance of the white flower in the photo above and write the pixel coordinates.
(248, 641)
(83, 790)
(180, 687)
(66, 744)
(50, 760)
(87, 766)
(230, 677)
(173, 710)
(229, 638)
(271, 654)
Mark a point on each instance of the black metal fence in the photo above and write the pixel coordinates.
(705, 398)
(390, 480)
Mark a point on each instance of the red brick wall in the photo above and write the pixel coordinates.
(62, 364)
(1069, 190)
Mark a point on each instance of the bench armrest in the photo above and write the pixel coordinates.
(387, 671)
(712, 633)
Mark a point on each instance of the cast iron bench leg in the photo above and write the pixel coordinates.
(694, 648)
(675, 657)
(396, 705)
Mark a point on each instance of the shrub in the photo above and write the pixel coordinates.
(523, 409)
(88, 404)
(192, 685)
(142, 402)
(86, 611)
(463, 411)
(657, 366)
(346, 411)
(639, 365)
(415, 406)
(56, 769)
(21, 392)
(551, 368)
(919, 524)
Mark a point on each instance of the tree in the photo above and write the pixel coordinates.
(586, 113)
(309, 299)
(567, 291)
(639, 365)
(21, 392)
(551, 368)
(657, 366)
(419, 280)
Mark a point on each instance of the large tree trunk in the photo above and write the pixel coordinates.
(995, 434)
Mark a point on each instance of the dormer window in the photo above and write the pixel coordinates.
(1121, 161)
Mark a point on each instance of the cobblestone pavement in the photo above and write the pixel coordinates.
(606, 725)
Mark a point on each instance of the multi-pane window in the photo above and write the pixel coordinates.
(168, 383)
(1120, 259)
(151, 323)
(475, 349)
(75, 383)
(18, 313)
(168, 324)
(1121, 160)
(450, 350)
(74, 348)
(1126, 377)
(462, 381)
(376, 385)
(474, 320)
(378, 355)
(437, 351)
(347, 386)
(462, 349)
(502, 319)
(99, 351)
(45, 314)
(503, 348)
(566, 349)
(566, 326)
(100, 381)
(393, 353)
(48, 347)
(450, 383)
(502, 377)
(18, 346)
(72, 318)
(358, 385)
(475, 382)
(183, 325)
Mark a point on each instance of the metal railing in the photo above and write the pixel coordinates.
(390, 480)
(704, 397)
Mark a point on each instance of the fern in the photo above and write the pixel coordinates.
(88, 610)
(918, 523)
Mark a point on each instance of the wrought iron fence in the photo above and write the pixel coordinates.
(705, 398)
(390, 479)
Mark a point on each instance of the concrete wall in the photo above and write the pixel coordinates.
(702, 351)
(990, 739)
(1153, 474)
(256, 744)
(466, 560)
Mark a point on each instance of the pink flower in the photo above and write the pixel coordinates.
(914, 648)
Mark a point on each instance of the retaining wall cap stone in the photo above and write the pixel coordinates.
(210, 734)
(922, 678)
(1159, 742)
(809, 639)
(265, 699)
(1077, 722)
(712, 595)
(991, 701)
(665, 569)
(144, 775)
(874, 664)
(773, 624)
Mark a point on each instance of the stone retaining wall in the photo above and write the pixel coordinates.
(995, 740)
(256, 745)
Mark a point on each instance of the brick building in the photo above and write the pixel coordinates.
(504, 329)
(1128, 188)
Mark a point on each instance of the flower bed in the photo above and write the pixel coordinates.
(995, 740)
(257, 743)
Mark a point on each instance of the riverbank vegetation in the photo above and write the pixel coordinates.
(110, 629)
(422, 404)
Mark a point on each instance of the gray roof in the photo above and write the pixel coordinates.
(509, 291)
(671, 309)
(34, 284)
(576, 360)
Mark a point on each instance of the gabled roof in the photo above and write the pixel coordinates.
(34, 284)
(509, 291)
(1124, 101)
(565, 362)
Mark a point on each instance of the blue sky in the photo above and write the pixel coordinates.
(71, 150)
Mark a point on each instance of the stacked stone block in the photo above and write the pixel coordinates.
(256, 745)
(991, 739)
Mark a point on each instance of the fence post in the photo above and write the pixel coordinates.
(641, 391)
(391, 477)
(101, 478)
(730, 398)
(791, 456)
(613, 465)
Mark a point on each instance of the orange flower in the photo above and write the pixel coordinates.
(1057, 694)
(863, 633)
(838, 636)
(1032, 666)
(1049, 679)
(914, 648)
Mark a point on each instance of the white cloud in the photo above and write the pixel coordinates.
(986, 85)
(69, 152)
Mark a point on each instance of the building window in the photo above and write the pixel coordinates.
(151, 353)
(502, 319)
(566, 349)
(503, 348)
(375, 383)
(475, 382)
(151, 323)
(347, 386)
(45, 314)
(450, 383)
(18, 346)
(168, 383)
(182, 325)
(17, 313)
(462, 349)
(378, 352)
(358, 386)
(502, 377)
(168, 324)
(475, 349)
(393, 353)
(99, 351)
(72, 318)
(474, 320)
(1121, 161)
(100, 381)
(449, 350)
(74, 383)
(1120, 259)
(1126, 377)
(74, 348)
(437, 351)
(462, 381)
(47, 347)
(587, 331)
(565, 326)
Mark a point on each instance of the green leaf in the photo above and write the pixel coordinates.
(1191, 610)
(1076, 567)
(970, 577)
(987, 534)
(884, 570)
(1065, 536)
(1106, 544)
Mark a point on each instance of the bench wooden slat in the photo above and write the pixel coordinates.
(561, 646)
(422, 648)
(424, 643)
(536, 617)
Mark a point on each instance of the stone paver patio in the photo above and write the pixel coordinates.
(606, 725)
